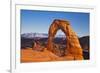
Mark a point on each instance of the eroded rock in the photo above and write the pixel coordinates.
(37, 46)
(72, 46)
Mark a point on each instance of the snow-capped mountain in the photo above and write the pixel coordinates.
(40, 35)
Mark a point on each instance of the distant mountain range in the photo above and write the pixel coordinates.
(40, 35)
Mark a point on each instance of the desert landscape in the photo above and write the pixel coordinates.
(29, 55)
(42, 47)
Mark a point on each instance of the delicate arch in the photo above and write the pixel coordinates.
(72, 46)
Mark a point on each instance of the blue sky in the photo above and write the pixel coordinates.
(39, 21)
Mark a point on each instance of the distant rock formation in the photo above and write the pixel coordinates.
(85, 41)
(36, 46)
(58, 50)
(72, 46)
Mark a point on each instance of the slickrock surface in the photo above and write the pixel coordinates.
(29, 55)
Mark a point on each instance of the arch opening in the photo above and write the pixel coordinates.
(59, 43)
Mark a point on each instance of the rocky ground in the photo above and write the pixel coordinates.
(29, 55)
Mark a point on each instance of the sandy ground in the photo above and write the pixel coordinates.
(29, 55)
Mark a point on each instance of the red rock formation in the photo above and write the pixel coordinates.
(36, 46)
(72, 46)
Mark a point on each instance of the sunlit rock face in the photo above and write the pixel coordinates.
(72, 46)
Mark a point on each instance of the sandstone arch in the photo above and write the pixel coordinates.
(72, 46)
